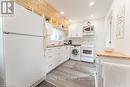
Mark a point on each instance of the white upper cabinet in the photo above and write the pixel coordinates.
(49, 28)
(75, 30)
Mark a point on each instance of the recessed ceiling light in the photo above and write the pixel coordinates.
(91, 3)
(70, 20)
(62, 12)
(92, 16)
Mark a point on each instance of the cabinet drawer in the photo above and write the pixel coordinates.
(54, 49)
(57, 49)
(63, 48)
(50, 67)
(48, 50)
(49, 57)
(60, 60)
(49, 54)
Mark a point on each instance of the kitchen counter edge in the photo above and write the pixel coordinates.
(56, 46)
(112, 54)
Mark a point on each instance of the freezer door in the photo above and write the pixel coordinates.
(25, 62)
(24, 21)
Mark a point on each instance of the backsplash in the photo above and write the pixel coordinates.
(82, 40)
(76, 40)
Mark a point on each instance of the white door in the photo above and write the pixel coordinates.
(87, 51)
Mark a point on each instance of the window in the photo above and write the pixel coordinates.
(57, 35)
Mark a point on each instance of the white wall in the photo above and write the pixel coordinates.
(99, 33)
(122, 45)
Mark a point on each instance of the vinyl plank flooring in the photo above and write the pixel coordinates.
(72, 74)
(45, 84)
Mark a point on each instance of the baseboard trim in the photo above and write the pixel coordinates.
(38, 82)
(57, 66)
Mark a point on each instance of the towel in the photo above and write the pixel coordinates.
(115, 75)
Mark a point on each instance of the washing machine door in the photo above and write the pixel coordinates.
(75, 52)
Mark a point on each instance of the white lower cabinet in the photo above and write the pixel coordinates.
(56, 56)
(68, 53)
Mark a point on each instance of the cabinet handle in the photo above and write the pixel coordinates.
(49, 56)
(59, 61)
(49, 49)
(50, 65)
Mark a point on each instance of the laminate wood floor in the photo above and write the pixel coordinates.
(45, 84)
(72, 74)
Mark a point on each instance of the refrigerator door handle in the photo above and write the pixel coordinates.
(22, 34)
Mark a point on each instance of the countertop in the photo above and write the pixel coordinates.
(49, 46)
(75, 44)
(113, 54)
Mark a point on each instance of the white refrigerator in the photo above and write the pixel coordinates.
(23, 48)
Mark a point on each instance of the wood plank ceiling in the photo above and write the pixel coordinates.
(43, 8)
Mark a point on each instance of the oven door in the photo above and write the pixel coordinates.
(87, 51)
(86, 29)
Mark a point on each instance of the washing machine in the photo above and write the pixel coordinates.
(75, 52)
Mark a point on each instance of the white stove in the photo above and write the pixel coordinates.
(87, 53)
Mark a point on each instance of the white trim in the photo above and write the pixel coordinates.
(38, 82)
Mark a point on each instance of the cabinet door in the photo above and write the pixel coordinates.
(75, 30)
(62, 57)
(51, 65)
(70, 32)
(56, 56)
(67, 52)
(49, 28)
(79, 30)
(63, 52)
(51, 53)
(53, 58)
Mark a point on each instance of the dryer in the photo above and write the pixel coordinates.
(75, 52)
